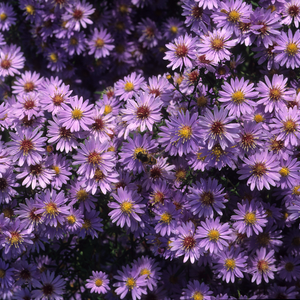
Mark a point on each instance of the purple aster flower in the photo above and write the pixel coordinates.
(160, 87)
(127, 208)
(148, 266)
(98, 282)
(53, 93)
(94, 155)
(15, 238)
(11, 59)
(6, 278)
(289, 268)
(91, 224)
(205, 197)
(230, 14)
(53, 207)
(238, 97)
(56, 58)
(148, 33)
(129, 86)
(74, 221)
(262, 266)
(291, 13)
(230, 264)
(100, 43)
(182, 52)
(141, 113)
(7, 185)
(250, 218)
(27, 146)
(276, 291)
(172, 28)
(267, 54)
(288, 49)
(273, 94)
(185, 243)
(215, 45)
(78, 13)
(78, 116)
(196, 291)
(289, 172)
(74, 44)
(130, 281)
(181, 135)
(7, 16)
(261, 169)
(25, 273)
(287, 126)
(27, 105)
(195, 16)
(217, 128)
(28, 82)
(64, 139)
(222, 72)
(214, 236)
(49, 287)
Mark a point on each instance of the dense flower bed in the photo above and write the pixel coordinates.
(150, 149)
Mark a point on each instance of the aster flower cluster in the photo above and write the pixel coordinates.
(179, 178)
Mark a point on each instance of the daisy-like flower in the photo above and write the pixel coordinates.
(215, 45)
(238, 97)
(28, 82)
(261, 169)
(75, 44)
(196, 291)
(7, 16)
(289, 172)
(288, 49)
(130, 280)
(6, 279)
(291, 13)
(26, 146)
(218, 129)
(49, 287)
(274, 93)
(141, 113)
(213, 235)
(205, 197)
(91, 224)
(74, 220)
(78, 116)
(127, 208)
(148, 33)
(92, 156)
(11, 60)
(78, 13)
(27, 105)
(7, 185)
(52, 206)
(289, 268)
(129, 86)
(182, 52)
(181, 135)
(287, 126)
(262, 266)
(230, 264)
(230, 14)
(100, 43)
(98, 282)
(249, 218)
(185, 243)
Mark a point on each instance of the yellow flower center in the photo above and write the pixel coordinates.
(217, 151)
(296, 190)
(238, 97)
(292, 49)
(174, 29)
(284, 172)
(230, 263)
(30, 9)
(71, 219)
(145, 271)
(77, 114)
(51, 209)
(289, 126)
(275, 94)
(166, 218)
(2, 273)
(258, 118)
(98, 282)
(123, 9)
(86, 224)
(185, 132)
(73, 41)
(233, 16)
(198, 296)
(107, 109)
(213, 235)
(201, 101)
(15, 238)
(262, 266)
(217, 44)
(3, 16)
(82, 195)
(53, 57)
(250, 218)
(126, 207)
(180, 174)
(56, 169)
(99, 43)
(179, 80)
(128, 86)
(131, 283)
